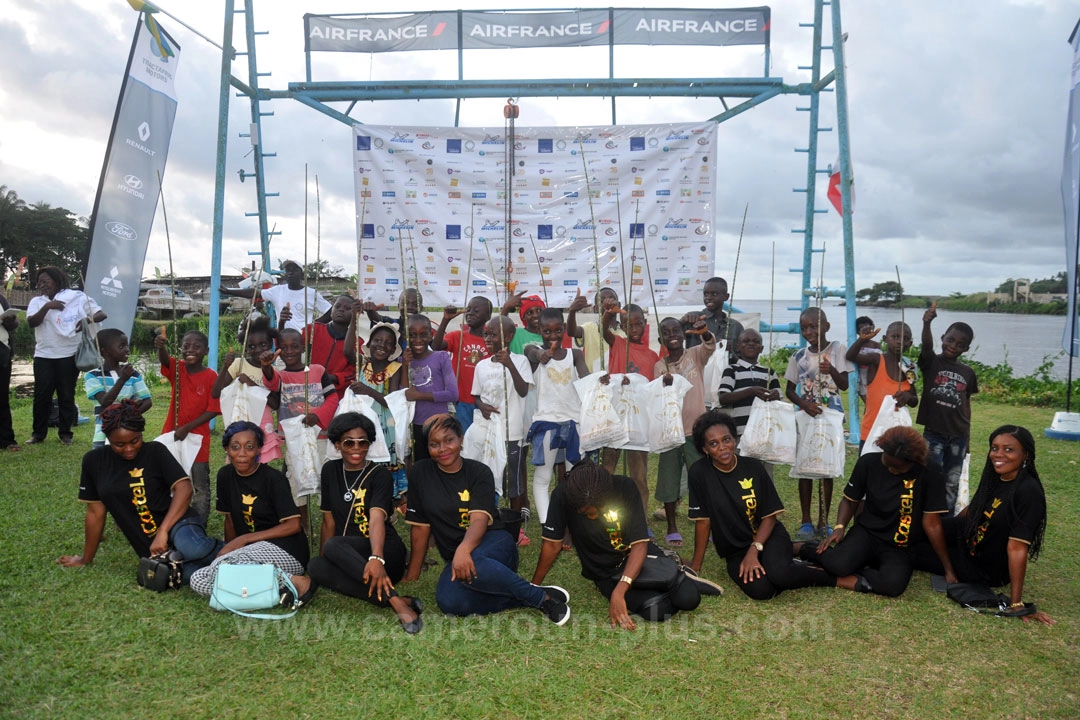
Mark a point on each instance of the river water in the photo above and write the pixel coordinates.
(1023, 340)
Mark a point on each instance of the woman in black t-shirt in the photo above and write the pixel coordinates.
(607, 521)
(145, 490)
(262, 523)
(992, 539)
(903, 502)
(362, 554)
(733, 500)
(452, 499)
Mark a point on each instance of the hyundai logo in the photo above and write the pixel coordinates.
(133, 182)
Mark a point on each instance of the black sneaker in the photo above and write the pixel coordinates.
(556, 593)
(555, 611)
(704, 585)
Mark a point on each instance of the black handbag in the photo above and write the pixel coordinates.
(982, 599)
(658, 572)
(160, 572)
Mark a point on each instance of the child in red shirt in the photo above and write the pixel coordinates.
(197, 406)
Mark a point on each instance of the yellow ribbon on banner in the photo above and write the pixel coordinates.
(147, 8)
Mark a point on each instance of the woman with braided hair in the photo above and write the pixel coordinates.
(604, 515)
(145, 490)
(993, 538)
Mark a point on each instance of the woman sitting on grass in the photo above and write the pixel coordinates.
(903, 502)
(145, 490)
(452, 499)
(362, 554)
(604, 515)
(262, 523)
(733, 501)
(992, 539)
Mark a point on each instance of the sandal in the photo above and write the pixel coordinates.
(412, 628)
(13, 447)
(674, 539)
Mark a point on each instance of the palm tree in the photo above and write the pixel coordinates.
(11, 208)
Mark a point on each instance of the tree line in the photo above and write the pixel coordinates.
(43, 234)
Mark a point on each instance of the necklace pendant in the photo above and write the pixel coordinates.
(348, 496)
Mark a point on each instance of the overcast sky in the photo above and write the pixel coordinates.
(957, 113)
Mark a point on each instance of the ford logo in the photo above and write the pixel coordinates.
(133, 182)
(121, 230)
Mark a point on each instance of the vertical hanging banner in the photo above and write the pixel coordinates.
(1070, 195)
(127, 195)
(589, 206)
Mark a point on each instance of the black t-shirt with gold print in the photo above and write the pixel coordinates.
(602, 544)
(895, 504)
(444, 500)
(734, 502)
(137, 492)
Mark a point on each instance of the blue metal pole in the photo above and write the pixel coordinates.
(811, 165)
(845, 203)
(256, 139)
(219, 181)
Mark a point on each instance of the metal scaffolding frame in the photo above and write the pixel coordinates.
(751, 91)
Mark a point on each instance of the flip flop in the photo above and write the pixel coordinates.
(674, 539)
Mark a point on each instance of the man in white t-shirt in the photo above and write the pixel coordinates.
(295, 305)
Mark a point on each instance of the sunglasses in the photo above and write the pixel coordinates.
(355, 443)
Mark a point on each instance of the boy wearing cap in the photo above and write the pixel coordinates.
(296, 305)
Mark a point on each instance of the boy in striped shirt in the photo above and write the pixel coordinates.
(745, 380)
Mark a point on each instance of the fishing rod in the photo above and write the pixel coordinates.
(359, 259)
(172, 285)
(903, 325)
(592, 221)
(735, 273)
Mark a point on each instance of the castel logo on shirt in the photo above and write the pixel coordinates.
(907, 507)
(138, 499)
(980, 532)
(464, 522)
(359, 514)
(751, 502)
(614, 530)
(249, 502)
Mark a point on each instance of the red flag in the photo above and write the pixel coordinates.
(834, 188)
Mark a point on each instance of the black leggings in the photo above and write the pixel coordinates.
(781, 571)
(885, 566)
(341, 565)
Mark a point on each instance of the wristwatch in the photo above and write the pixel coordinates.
(758, 546)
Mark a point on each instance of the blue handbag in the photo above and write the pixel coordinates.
(242, 588)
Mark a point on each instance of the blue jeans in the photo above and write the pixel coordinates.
(496, 587)
(464, 412)
(188, 537)
(947, 455)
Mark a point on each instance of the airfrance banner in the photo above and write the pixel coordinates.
(570, 28)
(434, 206)
(128, 194)
(1070, 195)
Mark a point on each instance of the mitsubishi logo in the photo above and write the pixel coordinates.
(144, 131)
(111, 280)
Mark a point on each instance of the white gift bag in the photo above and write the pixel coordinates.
(630, 406)
(485, 441)
(599, 425)
(663, 408)
(302, 454)
(820, 450)
(888, 416)
(769, 434)
(243, 402)
(185, 451)
(713, 374)
(963, 489)
(378, 451)
(402, 411)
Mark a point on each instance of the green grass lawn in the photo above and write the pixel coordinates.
(89, 643)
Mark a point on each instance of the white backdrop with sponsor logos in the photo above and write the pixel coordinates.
(431, 208)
